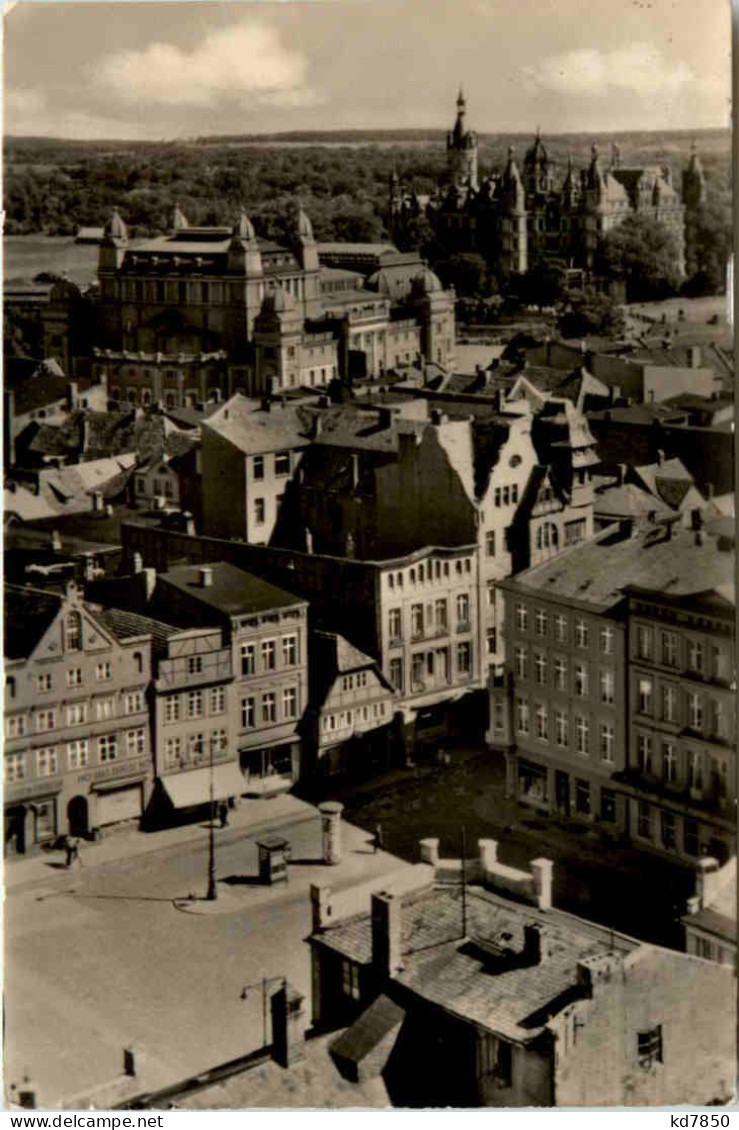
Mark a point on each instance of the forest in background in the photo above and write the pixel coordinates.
(54, 187)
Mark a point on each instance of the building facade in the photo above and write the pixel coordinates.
(617, 701)
(265, 630)
(78, 751)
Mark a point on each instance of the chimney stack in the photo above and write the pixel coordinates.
(706, 869)
(97, 500)
(205, 574)
(660, 457)
(535, 947)
(386, 936)
(56, 541)
(694, 357)
(137, 563)
(320, 905)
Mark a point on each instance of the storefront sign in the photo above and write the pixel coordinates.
(123, 769)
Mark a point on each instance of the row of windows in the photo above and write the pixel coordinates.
(45, 680)
(429, 571)
(144, 396)
(690, 654)
(560, 672)
(660, 825)
(280, 464)
(255, 713)
(698, 712)
(76, 714)
(265, 659)
(195, 749)
(429, 618)
(557, 626)
(193, 704)
(533, 784)
(350, 717)
(675, 764)
(47, 761)
(432, 667)
(506, 496)
(349, 682)
(160, 290)
(556, 728)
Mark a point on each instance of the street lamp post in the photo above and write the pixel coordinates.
(212, 894)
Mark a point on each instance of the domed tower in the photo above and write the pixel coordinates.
(461, 149)
(435, 308)
(538, 175)
(513, 255)
(246, 288)
(278, 329)
(306, 251)
(111, 253)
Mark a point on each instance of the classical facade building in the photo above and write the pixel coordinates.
(519, 217)
(77, 751)
(199, 313)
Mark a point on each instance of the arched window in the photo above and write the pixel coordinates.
(547, 536)
(73, 632)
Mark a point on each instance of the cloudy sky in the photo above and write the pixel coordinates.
(167, 70)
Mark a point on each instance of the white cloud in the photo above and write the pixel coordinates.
(29, 113)
(246, 61)
(639, 68)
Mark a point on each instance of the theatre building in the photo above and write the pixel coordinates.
(77, 742)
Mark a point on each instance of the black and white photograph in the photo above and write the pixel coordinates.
(369, 557)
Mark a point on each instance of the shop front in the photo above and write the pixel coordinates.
(193, 788)
(31, 815)
(271, 769)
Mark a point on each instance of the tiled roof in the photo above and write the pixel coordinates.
(27, 613)
(233, 591)
(255, 431)
(482, 976)
(597, 572)
(125, 625)
(628, 499)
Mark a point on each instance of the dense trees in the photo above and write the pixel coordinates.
(643, 254)
(57, 186)
(591, 313)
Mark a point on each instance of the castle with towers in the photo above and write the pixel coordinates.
(519, 218)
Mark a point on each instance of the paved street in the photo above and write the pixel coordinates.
(100, 958)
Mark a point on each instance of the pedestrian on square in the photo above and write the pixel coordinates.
(377, 839)
(223, 813)
(76, 857)
(68, 850)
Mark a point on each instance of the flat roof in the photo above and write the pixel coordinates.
(233, 591)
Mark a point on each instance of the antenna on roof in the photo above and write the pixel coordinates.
(464, 881)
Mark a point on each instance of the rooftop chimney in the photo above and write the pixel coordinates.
(321, 909)
(149, 583)
(541, 869)
(694, 357)
(535, 944)
(205, 574)
(97, 500)
(56, 541)
(386, 943)
(137, 563)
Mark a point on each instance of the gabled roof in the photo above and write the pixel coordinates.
(27, 614)
(254, 430)
(126, 625)
(332, 655)
(628, 500)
